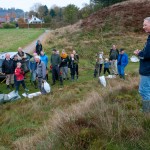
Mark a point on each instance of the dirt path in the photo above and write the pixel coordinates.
(31, 47)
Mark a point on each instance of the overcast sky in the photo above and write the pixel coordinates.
(27, 4)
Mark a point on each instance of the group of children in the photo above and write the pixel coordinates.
(100, 61)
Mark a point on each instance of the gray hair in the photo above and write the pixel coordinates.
(19, 64)
(147, 18)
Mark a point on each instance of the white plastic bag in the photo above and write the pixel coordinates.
(46, 87)
(102, 80)
(134, 59)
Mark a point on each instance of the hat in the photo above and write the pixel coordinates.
(121, 49)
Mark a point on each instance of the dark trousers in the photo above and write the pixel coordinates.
(72, 72)
(77, 70)
(18, 84)
(15, 81)
(100, 69)
(106, 69)
(56, 73)
(95, 73)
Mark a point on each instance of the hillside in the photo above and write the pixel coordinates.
(81, 115)
(125, 16)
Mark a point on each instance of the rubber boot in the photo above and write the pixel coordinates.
(35, 84)
(8, 87)
(76, 77)
(123, 77)
(12, 85)
(146, 106)
(47, 77)
(61, 81)
(72, 77)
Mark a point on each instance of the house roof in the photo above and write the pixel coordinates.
(34, 19)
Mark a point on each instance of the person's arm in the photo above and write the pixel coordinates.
(59, 60)
(145, 53)
(46, 61)
(126, 59)
(3, 67)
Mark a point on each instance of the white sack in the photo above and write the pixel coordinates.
(102, 80)
(46, 87)
(134, 59)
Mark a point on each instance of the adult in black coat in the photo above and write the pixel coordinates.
(8, 70)
(39, 47)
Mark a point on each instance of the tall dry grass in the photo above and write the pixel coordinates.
(101, 113)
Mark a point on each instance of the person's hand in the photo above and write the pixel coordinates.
(43, 80)
(136, 52)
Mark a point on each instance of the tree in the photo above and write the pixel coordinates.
(71, 13)
(31, 12)
(52, 13)
(21, 21)
(42, 11)
(47, 19)
(35, 7)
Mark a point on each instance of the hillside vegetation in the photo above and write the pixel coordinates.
(82, 115)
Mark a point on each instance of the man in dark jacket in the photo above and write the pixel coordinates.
(144, 70)
(113, 57)
(55, 63)
(39, 47)
(8, 70)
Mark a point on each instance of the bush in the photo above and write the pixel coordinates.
(8, 26)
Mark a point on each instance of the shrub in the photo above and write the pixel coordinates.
(8, 25)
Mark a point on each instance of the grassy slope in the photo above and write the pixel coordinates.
(11, 39)
(74, 117)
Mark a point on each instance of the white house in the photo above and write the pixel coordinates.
(35, 20)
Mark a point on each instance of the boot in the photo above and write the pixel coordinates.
(47, 77)
(61, 81)
(35, 84)
(123, 77)
(146, 106)
(77, 77)
(72, 77)
(8, 87)
(12, 85)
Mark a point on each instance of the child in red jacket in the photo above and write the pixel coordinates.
(19, 73)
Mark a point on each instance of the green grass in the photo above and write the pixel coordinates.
(11, 39)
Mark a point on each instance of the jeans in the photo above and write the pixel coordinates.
(65, 72)
(33, 76)
(121, 70)
(144, 87)
(40, 86)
